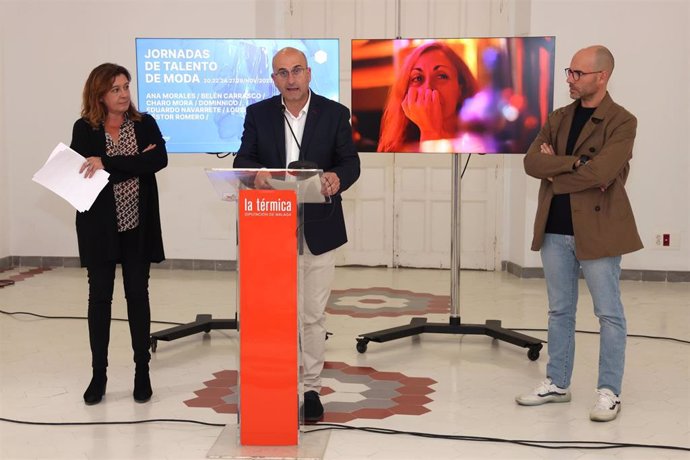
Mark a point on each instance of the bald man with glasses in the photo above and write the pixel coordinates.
(300, 126)
(584, 221)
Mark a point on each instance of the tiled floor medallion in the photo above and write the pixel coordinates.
(380, 301)
(348, 393)
(21, 275)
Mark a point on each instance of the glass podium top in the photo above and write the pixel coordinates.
(307, 183)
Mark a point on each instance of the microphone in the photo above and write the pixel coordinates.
(299, 163)
(302, 164)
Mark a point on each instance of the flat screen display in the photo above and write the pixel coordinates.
(456, 95)
(198, 89)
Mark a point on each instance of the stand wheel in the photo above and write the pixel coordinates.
(533, 352)
(154, 345)
(362, 345)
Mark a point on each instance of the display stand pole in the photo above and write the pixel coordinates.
(417, 326)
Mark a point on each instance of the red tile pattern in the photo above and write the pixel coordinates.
(381, 301)
(369, 394)
(22, 275)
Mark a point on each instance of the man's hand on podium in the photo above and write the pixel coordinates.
(330, 184)
(261, 180)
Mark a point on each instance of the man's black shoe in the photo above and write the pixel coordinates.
(313, 409)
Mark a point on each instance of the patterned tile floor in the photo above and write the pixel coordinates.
(352, 392)
(385, 302)
(349, 393)
(457, 385)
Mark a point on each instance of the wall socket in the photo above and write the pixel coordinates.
(666, 240)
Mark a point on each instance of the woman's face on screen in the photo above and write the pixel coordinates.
(433, 70)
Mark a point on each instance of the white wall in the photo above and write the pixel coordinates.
(48, 48)
(4, 170)
(651, 45)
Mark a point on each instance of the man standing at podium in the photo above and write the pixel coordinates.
(301, 126)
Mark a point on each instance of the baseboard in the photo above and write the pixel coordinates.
(634, 275)
(169, 264)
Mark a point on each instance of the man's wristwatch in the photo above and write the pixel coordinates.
(584, 159)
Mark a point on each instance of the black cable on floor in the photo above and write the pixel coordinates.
(83, 318)
(126, 422)
(641, 336)
(585, 445)
(589, 445)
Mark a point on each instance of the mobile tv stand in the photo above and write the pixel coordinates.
(491, 328)
(203, 323)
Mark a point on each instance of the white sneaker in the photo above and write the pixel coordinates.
(546, 392)
(607, 406)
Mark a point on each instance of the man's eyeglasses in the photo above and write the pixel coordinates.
(576, 74)
(284, 73)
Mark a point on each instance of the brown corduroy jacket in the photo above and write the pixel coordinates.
(603, 221)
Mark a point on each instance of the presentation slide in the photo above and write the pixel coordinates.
(198, 89)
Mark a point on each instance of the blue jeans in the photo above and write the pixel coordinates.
(561, 271)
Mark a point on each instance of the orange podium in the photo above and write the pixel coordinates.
(269, 229)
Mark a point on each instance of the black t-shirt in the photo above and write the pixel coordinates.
(560, 219)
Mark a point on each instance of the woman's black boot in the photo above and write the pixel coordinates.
(94, 393)
(142, 384)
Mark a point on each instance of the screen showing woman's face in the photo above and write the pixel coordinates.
(433, 70)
